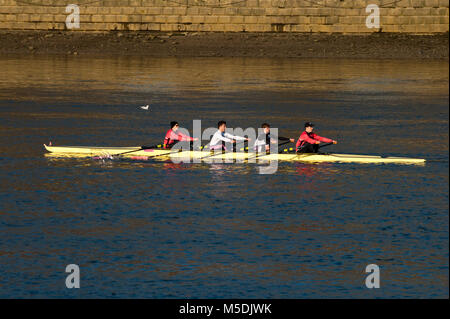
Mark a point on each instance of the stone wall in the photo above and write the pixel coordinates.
(342, 16)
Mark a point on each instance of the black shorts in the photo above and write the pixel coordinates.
(308, 148)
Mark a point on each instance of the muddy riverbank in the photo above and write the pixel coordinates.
(156, 44)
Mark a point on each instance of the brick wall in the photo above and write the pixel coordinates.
(346, 16)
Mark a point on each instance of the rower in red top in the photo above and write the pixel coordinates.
(308, 142)
(173, 137)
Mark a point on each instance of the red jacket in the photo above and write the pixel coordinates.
(311, 138)
(173, 137)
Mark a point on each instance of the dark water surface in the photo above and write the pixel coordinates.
(157, 229)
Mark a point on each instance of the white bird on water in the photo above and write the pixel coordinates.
(145, 107)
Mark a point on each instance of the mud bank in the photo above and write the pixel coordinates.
(155, 44)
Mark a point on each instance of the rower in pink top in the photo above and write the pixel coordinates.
(308, 142)
(172, 136)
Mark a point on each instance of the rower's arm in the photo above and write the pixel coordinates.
(223, 138)
(323, 139)
(233, 137)
(281, 138)
(183, 137)
(305, 137)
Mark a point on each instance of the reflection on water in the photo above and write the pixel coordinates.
(158, 229)
(197, 75)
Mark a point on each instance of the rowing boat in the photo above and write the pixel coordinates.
(138, 152)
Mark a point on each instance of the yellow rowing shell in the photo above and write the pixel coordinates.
(87, 151)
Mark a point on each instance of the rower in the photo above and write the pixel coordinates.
(264, 139)
(173, 137)
(308, 142)
(221, 137)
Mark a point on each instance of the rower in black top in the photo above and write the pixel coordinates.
(266, 138)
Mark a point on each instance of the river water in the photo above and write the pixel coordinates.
(155, 229)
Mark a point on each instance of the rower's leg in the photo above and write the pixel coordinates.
(315, 148)
(307, 148)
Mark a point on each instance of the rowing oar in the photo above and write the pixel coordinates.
(138, 149)
(331, 143)
(152, 156)
(261, 155)
(213, 153)
(177, 151)
(320, 146)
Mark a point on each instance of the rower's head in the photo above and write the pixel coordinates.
(174, 125)
(309, 127)
(266, 128)
(222, 125)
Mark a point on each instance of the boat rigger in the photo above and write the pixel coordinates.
(164, 154)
